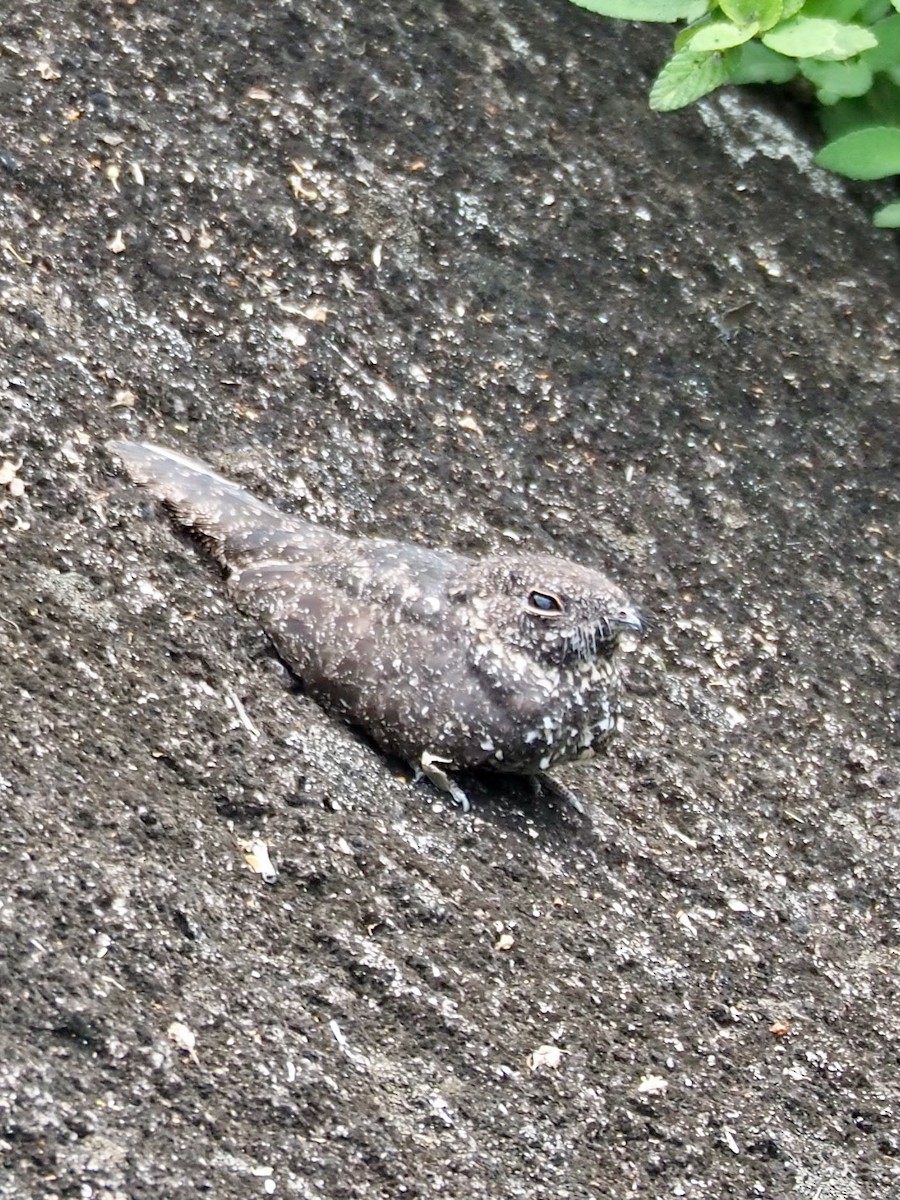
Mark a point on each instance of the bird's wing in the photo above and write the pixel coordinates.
(393, 582)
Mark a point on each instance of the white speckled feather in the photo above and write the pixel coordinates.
(451, 662)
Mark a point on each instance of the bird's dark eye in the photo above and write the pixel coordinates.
(544, 604)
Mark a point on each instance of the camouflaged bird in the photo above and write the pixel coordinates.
(506, 662)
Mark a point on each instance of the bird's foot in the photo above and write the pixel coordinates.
(545, 785)
(431, 767)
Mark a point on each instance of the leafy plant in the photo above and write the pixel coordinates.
(848, 51)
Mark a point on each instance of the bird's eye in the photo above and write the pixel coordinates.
(544, 604)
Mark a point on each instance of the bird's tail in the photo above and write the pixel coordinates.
(235, 527)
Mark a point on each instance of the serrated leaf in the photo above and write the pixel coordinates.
(686, 77)
(818, 37)
(889, 216)
(790, 8)
(836, 80)
(761, 13)
(755, 63)
(718, 35)
(647, 10)
(869, 153)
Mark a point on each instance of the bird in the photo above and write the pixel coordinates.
(507, 662)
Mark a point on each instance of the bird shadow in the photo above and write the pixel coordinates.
(528, 805)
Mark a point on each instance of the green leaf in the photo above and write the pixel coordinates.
(886, 54)
(818, 37)
(790, 8)
(889, 216)
(761, 13)
(883, 102)
(874, 10)
(847, 117)
(869, 153)
(837, 10)
(717, 35)
(756, 63)
(836, 80)
(647, 10)
(686, 77)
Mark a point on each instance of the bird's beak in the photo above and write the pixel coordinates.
(630, 620)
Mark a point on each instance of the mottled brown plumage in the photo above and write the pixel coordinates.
(504, 662)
